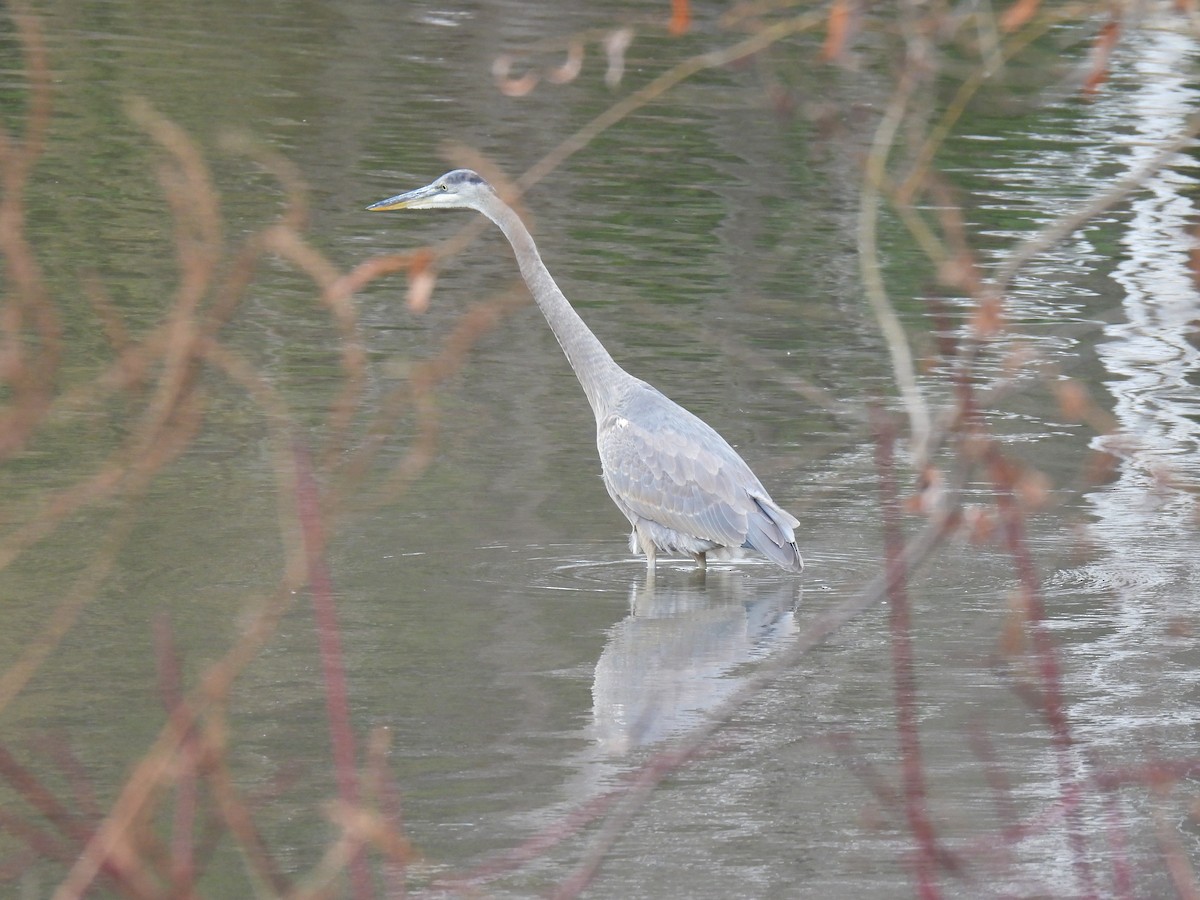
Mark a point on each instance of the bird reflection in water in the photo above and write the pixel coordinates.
(675, 656)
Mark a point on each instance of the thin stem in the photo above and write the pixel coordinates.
(868, 259)
(904, 678)
(337, 699)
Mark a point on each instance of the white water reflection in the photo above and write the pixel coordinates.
(672, 659)
(1134, 678)
(1145, 521)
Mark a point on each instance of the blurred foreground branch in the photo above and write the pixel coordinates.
(168, 377)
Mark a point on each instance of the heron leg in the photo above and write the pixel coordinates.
(639, 541)
(701, 560)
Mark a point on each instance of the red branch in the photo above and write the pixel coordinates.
(183, 829)
(337, 696)
(1012, 520)
(900, 620)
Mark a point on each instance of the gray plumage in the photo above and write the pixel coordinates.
(680, 484)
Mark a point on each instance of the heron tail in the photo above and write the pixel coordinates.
(772, 533)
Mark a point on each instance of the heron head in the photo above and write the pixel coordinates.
(457, 189)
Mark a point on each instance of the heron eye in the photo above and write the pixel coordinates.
(442, 187)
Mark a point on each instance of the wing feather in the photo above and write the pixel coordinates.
(664, 465)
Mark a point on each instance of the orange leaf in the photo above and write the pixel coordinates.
(421, 277)
(681, 17)
(512, 87)
(1101, 51)
(1100, 467)
(841, 16)
(1073, 400)
(1194, 255)
(1014, 637)
(570, 68)
(1033, 488)
(989, 317)
(978, 524)
(1018, 14)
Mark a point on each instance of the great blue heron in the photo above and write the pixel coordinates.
(680, 484)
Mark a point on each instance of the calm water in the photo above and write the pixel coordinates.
(492, 617)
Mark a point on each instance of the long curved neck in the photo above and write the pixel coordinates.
(596, 370)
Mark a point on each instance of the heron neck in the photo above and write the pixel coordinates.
(596, 370)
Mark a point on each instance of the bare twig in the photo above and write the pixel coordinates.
(904, 679)
(872, 275)
(337, 695)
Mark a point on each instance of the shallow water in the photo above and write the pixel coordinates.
(492, 617)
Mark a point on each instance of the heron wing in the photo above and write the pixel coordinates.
(669, 478)
(682, 475)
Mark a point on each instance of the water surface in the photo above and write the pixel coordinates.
(492, 617)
